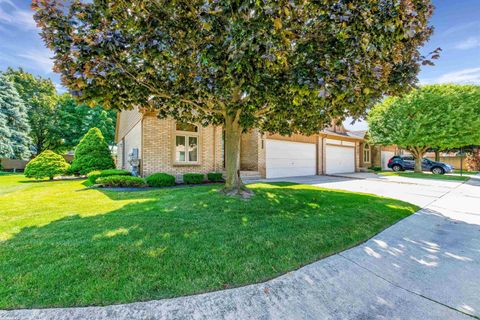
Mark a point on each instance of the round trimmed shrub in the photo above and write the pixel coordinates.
(193, 178)
(214, 176)
(160, 180)
(94, 175)
(92, 153)
(121, 182)
(47, 164)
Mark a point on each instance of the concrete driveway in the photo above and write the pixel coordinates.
(425, 267)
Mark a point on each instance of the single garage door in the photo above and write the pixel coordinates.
(340, 159)
(385, 156)
(290, 159)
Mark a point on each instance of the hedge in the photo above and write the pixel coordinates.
(160, 180)
(122, 182)
(193, 178)
(215, 176)
(94, 175)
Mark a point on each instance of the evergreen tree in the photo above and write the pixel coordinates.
(92, 153)
(47, 164)
(39, 97)
(14, 127)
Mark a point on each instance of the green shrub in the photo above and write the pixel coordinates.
(94, 175)
(122, 182)
(160, 180)
(193, 178)
(92, 153)
(215, 176)
(375, 168)
(47, 164)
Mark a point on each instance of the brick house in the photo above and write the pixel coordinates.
(165, 145)
(375, 155)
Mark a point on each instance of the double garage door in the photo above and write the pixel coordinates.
(294, 159)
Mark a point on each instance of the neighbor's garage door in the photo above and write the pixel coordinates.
(290, 159)
(385, 156)
(339, 159)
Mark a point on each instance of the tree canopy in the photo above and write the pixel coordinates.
(281, 66)
(73, 120)
(39, 96)
(58, 122)
(14, 128)
(433, 116)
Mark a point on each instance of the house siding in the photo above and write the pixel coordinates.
(249, 147)
(126, 120)
(158, 148)
(132, 140)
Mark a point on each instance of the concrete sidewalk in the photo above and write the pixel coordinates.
(424, 267)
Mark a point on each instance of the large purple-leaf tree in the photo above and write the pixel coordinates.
(282, 66)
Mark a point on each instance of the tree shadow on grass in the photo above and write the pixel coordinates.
(184, 241)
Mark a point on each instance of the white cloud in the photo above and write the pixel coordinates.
(465, 76)
(11, 15)
(460, 27)
(40, 59)
(469, 43)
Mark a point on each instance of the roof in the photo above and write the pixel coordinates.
(358, 133)
(347, 134)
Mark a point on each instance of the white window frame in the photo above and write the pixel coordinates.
(187, 135)
(367, 153)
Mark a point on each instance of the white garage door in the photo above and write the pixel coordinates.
(386, 155)
(339, 159)
(290, 159)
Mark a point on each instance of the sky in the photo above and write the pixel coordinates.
(456, 23)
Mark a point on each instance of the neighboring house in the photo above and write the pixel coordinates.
(375, 155)
(165, 145)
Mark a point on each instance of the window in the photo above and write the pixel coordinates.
(186, 143)
(366, 153)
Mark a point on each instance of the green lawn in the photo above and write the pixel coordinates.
(64, 245)
(467, 172)
(424, 175)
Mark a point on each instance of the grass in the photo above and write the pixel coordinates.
(424, 175)
(466, 172)
(64, 245)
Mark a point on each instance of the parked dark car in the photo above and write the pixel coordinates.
(402, 163)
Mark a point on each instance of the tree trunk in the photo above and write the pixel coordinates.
(233, 135)
(437, 155)
(418, 153)
(418, 164)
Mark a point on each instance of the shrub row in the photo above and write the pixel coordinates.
(375, 168)
(193, 178)
(160, 180)
(215, 176)
(122, 182)
(94, 175)
(122, 179)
